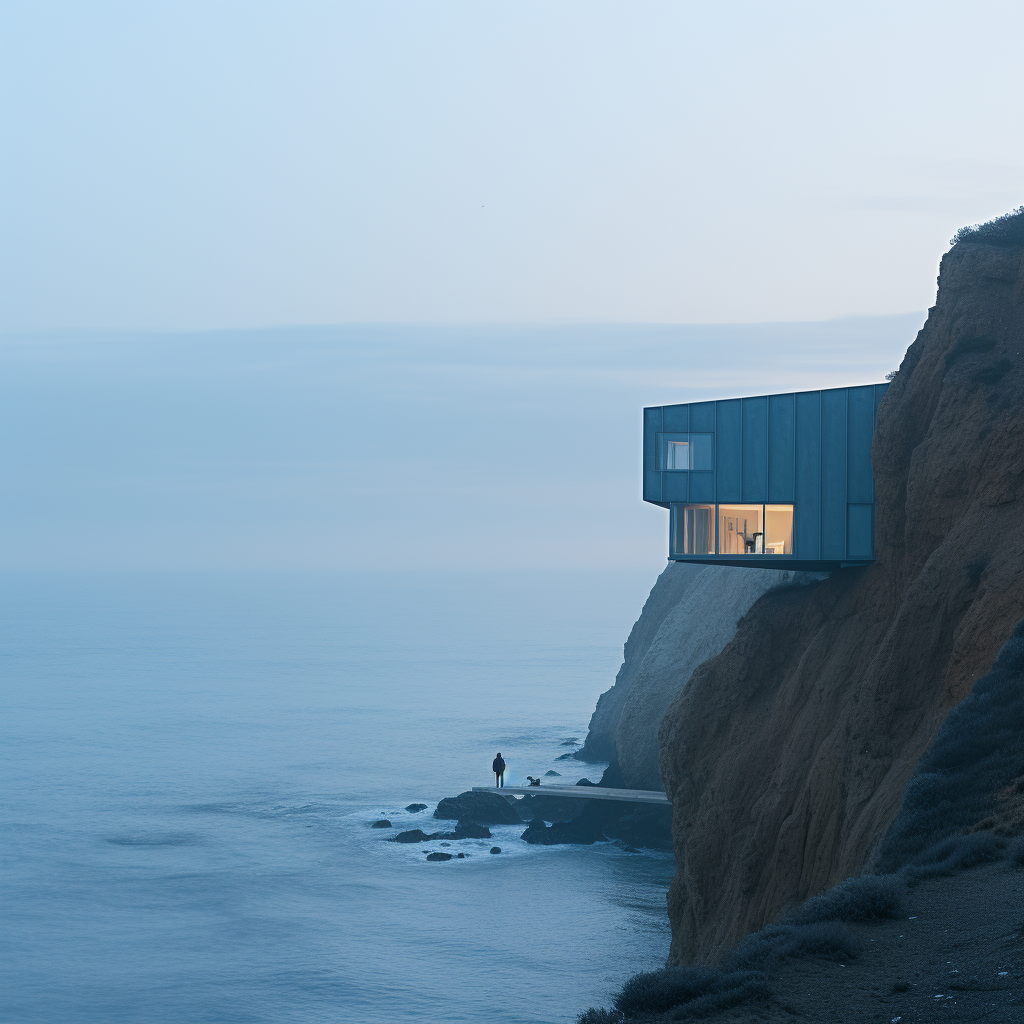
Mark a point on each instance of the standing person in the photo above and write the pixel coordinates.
(498, 767)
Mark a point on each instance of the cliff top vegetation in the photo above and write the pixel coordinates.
(1005, 230)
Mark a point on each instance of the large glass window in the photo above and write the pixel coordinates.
(741, 529)
(778, 529)
(686, 451)
(693, 529)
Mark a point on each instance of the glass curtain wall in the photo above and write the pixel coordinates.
(693, 529)
(742, 529)
(778, 529)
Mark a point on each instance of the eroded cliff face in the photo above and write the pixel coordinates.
(786, 756)
(691, 614)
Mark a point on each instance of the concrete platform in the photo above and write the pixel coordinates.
(633, 796)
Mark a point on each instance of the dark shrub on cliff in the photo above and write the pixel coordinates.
(954, 854)
(689, 990)
(765, 948)
(1005, 230)
(1015, 853)
(978, 752)
(868, 898)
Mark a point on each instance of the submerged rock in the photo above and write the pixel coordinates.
(382, 823)
(414, 835)
(439, 856)
(413, 808)
(485, 808)
(578, 833)
(559, 774)
(469, 830)
(495, 849)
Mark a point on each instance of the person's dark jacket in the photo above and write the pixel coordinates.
(498, 765)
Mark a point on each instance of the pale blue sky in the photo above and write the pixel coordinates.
(170, 169)
(196, 165)
(362, 447)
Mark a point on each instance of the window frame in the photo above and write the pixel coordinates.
(676, 509)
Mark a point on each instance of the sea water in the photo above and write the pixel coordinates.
(191, 764)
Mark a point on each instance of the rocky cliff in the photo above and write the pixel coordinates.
(691, 614)
(786, 755)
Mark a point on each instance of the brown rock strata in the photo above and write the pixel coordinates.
(786, 756)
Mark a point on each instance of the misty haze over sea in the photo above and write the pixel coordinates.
(264, 587)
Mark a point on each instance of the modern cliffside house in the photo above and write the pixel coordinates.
(779, 481)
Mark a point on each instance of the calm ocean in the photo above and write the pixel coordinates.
(191, 763)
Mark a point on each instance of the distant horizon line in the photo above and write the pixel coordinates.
(49, 332)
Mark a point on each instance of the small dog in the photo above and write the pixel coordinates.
(533, 781)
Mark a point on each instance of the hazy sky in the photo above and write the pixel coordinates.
(197, 165)
(363, 447)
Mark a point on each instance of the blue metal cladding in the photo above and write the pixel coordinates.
(728, 467)
(754, 463)
(807, 483)
(808, 449)
(833, 475)
(781, 448)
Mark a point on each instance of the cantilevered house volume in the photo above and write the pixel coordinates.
(778, 481)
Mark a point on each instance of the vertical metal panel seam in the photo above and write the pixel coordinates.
(821, 499)
(846, 481)
(796, 511)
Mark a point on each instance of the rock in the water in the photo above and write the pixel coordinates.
(550, 808)
(559, 774)
(646, 826)
(414, 835)
(485, 808)
(570, 741)
(579, 833)
(439, 856)
(413, 808)
(568, 757)
(495, 849)
(382, 823)
(586, 782)
(461, 856)
(470, 830)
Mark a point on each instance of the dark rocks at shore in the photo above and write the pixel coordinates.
(495, 849)
(414, 808)
(414, 835)
(573, 755)
(548, 808)
(439, 856)
(577, 833)
(647, 826)
(483, 808)
(550, 773)
(382, 823)
(469, 830)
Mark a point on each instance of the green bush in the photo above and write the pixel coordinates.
(867, 898)
(688, 991)
(954, 854)
(1005, 230)
(1015, 852)
(764, 949)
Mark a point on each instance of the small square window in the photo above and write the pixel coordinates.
(686, 451)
